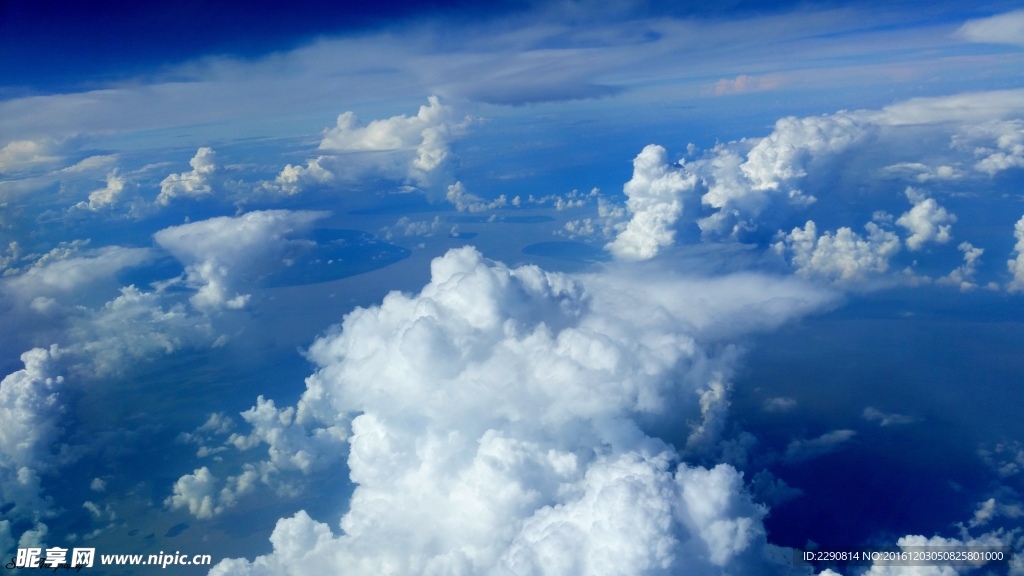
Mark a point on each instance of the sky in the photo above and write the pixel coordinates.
(525, 288)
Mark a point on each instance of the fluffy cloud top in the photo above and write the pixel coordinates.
(220, 254)
(30, 409)
(963, 276)
(740, 189)
(654, 201)
(193, 184)
(293, 179)
(119, 190)
(465, 201)
(843, 256)
(493, 428)
(926, 221)
(427, 134)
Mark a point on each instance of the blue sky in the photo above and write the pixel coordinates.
(531, 288)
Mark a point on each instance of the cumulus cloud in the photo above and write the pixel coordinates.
(1006, 28)
(843, 256)
(963, 276)
(420, 144)
(492, 424)
(294, 179)
(741, 188)
(131, 327)
(34, 401)
(992, 540)
(406, 227)
(998, 145)
(221, 254)
(30, 408)
(464, 201)
(926, 221)
(193, 184)
(654, 201)
(197, 492)
(1016, 264)
(118, 191)
(296, 439)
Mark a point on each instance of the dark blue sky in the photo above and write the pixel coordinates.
(49, 46)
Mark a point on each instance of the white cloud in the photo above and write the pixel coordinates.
(464, 201)
(91, 163)
(965, 108)
(1006, 28)
(62, 274)
(197, 492)
(990, 540)
(424, 139)
(922, 172)
(801, 450)
(927, 221)
(844, 256)
(21, 155)
(193, 184)
(654, 201)
(31, 409)
(741, 189)
(1009, 150)
(492, 426)
(1016, 264)
(220, 254)
(119, 190)
(294, 179)
(406, 227)
(963, 276)
(34, 400)
(993, 508)
(131, 327)
(289, 444)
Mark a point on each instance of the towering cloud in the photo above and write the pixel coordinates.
(1016, 264)
(495, 426)
(426, 135)
(30, 408)
(196, 183)
(926, 221)
(654, 201)
(740, 189)
(220, 254)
